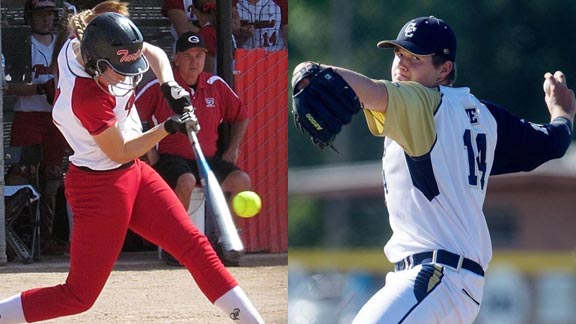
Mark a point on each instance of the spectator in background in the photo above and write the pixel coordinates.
(181, 16)
(269, 20)
(215, 102)
(32, 123)
(241, 33)
(205, 10)
(200, 16)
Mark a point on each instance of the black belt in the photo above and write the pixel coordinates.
(449, 259)
(123, 166)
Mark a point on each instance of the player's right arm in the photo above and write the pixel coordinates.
(402, 111)
(373, 94)
(112, 142)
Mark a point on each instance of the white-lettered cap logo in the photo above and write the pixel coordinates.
(409, 30)
(194, 39)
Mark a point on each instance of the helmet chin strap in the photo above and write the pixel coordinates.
(41, 32)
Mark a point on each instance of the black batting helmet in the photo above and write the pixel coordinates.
(112, 40)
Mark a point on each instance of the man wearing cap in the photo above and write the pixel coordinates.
(32, 123)
(441, 144)
(214, 102)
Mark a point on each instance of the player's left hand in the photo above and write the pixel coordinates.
(323, 102)
(181, 123)
(178, 99)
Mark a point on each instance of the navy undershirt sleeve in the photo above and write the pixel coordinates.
(523, 146)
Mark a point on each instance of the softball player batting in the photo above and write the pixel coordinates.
(108, 188)
(441, 144)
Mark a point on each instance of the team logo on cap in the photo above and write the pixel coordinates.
(410, 30)
(126, 57)
(194, 39)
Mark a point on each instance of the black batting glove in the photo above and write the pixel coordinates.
(178, 99)
(181, 123)
(175, 124)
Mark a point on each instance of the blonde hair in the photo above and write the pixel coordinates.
(78, 22)
(112, 6)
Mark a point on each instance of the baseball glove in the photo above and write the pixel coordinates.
(323, 102)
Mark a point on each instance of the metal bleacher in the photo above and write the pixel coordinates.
(147, 15)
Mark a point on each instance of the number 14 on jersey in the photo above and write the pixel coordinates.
(475, 145)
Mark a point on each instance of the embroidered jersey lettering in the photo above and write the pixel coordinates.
(266, 17)
(435, 199)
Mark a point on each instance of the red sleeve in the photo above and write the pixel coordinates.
(171, 4)
(92, 106)
(148, 98)
(208, 34)
(235, 109)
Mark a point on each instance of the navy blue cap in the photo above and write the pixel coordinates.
(425, 36)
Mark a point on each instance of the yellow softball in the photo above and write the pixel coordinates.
(247, 204)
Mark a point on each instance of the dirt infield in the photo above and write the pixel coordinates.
(143, 289)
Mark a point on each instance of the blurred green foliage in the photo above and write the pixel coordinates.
(504, 49)
(305, 220)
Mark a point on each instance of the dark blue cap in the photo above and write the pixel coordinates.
(425, 36)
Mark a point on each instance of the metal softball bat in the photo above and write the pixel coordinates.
(231, 243)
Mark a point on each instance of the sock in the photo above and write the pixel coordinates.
(236, 304)
(11, 311)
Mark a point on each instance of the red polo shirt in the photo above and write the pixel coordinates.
(215, 102)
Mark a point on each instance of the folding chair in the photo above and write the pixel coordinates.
(23, 200)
